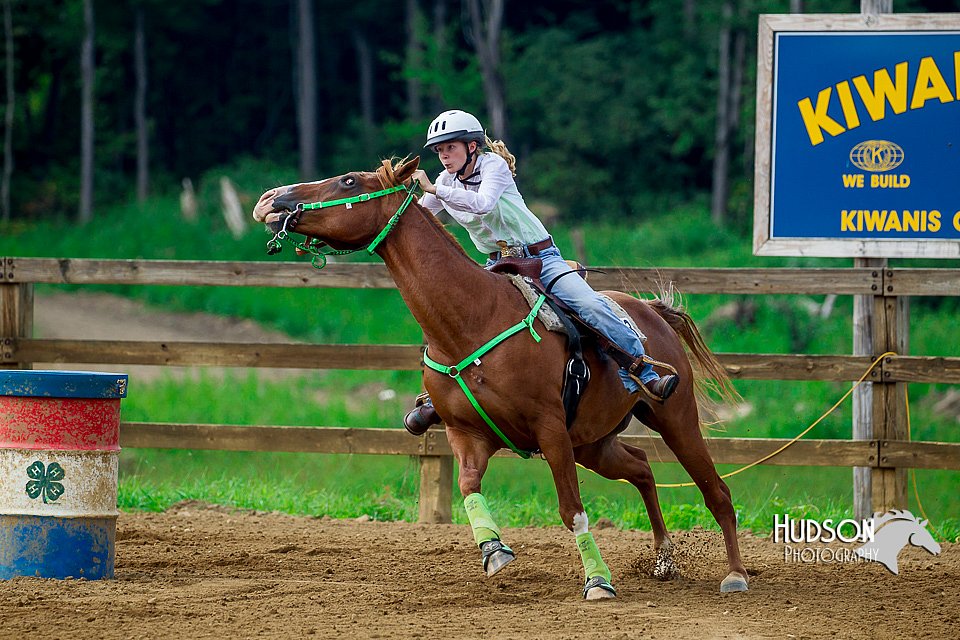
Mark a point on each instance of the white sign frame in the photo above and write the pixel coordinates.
(763, 244)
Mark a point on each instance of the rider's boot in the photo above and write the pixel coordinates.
(661, 388)
(422, 417)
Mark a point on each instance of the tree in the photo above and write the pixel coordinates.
(8, 115)
(440, 46)
(87, 71)
(365, 65)
(414, 61)
(306, 89)
(140, 107)
(483, 32)
(730, 71)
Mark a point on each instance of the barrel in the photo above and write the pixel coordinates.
(59, 449)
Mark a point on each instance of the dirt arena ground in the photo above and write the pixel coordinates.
(201, 571)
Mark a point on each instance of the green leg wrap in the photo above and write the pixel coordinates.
(593, 564)
(484, 528)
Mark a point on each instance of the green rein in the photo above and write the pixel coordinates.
(454, 371)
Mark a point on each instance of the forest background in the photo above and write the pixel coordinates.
(614, 108)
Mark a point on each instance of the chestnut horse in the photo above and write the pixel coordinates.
(460, 307)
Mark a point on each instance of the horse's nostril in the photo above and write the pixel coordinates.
(286, 202)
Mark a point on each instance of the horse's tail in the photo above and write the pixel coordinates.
(669, 306)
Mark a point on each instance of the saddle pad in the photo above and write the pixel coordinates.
(546, 314)
(549, 318)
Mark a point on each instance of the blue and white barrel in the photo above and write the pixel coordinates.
(59, 448)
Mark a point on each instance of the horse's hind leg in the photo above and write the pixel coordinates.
(680, 429)
(472, 458)
(615, 460)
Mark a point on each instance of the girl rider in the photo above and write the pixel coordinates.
(477, 189)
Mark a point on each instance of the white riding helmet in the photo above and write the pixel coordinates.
(454, 125)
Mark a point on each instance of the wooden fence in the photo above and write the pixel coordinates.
(887, 453)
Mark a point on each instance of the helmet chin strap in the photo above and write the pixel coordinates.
(470, 156)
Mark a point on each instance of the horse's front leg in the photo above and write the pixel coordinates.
(558, 451)
(472, 457)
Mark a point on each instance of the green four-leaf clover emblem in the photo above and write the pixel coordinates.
(45, 481)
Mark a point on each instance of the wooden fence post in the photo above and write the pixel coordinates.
(864, 345)
(16, 315)
(891, 333)
(867, 400)
(436, 475)
(436, 489)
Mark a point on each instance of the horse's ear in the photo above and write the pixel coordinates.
(923, 524)
(405, 170)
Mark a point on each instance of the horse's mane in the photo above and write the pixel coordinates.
(386, 173)
(880, 519)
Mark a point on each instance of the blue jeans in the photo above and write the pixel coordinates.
(595, 311)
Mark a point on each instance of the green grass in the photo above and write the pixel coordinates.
(385, 487)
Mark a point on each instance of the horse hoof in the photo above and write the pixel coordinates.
(498, 560)
(665, 568)
(598, 588)
(598, 593)
(665, 571)
(732, 583)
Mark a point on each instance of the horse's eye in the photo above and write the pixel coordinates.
(348, 181)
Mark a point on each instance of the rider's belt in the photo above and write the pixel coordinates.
(531, 250)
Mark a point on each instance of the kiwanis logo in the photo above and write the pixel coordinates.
(876, 155)
(882, 538)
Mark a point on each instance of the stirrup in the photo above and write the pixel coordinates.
(659, 389)
(598, 581)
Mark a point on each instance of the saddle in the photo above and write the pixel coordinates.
(525, 275)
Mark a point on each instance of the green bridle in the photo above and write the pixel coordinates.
(313, 245)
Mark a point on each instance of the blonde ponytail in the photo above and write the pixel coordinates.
(500, 148)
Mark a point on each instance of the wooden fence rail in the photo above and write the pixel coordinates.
(408, 357)
(815, 453)
(886, 453)
(882, 282)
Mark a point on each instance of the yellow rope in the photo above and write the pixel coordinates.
(913, 472)
(676, 485)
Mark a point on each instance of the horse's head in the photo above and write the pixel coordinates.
(894, 530)
(349, 225)
(923, 539)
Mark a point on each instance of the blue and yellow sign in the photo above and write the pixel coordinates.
(865, 130)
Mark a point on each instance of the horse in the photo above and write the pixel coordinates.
(460, 306)
(892, 532)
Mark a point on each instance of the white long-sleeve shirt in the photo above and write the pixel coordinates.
(493, 210)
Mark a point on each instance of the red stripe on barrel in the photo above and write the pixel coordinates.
(59, 423)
